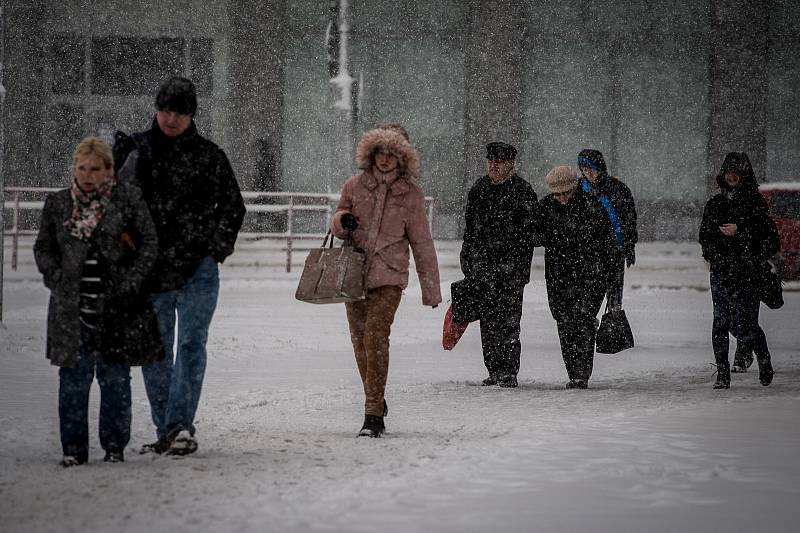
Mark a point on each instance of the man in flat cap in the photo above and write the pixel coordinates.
(496, 258)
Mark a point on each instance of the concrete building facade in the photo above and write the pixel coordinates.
(664, 89)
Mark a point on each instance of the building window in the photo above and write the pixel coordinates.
(68, 57)
(128, 66)
(201, 65)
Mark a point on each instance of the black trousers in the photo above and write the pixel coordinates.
(576, 315)
(500, 315)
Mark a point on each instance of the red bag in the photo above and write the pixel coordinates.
(451, 330)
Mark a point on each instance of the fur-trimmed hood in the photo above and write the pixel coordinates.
(395, 143)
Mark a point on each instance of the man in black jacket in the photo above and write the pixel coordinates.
(192, 193)
(620, 209)
(496, 258)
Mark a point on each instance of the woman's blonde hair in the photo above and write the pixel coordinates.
(96, 146)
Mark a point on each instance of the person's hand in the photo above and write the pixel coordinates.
(349, 221)
(729, 230)
(630, 258)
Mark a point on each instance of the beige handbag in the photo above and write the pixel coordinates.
(333, 275)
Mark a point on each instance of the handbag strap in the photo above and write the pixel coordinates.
(325, 240)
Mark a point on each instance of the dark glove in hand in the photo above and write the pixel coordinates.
(349, 221)
(630, 258)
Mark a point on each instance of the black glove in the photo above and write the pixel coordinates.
(630, 258)
(349, 221)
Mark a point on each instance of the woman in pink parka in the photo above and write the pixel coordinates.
(384, 209)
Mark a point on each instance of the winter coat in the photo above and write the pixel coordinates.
(128, 331)
(192, 194)
(740, 259)
(621, 198)
(395, 214)
(497, 247)
(579, 248)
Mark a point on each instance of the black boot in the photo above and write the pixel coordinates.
(373, 427)
(765, 371)
(723, 375)
(742, 359)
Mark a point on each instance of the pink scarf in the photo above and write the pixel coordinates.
(88, 208)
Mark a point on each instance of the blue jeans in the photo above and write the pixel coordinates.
(74, 385)
(174, 384)
(736, 308)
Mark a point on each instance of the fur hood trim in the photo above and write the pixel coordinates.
(395, 143)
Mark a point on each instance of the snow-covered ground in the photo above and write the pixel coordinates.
(649, 447)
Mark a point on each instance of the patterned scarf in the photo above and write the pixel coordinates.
(88, 208)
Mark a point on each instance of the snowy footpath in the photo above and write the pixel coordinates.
(650, 447)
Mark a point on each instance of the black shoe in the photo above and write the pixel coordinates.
(765, 371)
(742, 360)
(723, 375)
(578, 384)
(73, 460)
(722, 383)
(160, 446)
(488, 382)
(114, 456)
(183, 443)
(373, 427)
(509, 382)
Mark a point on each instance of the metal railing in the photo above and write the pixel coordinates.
(290, 203)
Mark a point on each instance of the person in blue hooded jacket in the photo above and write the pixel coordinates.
(617, 201)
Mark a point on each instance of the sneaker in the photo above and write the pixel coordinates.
(72, 460)
(183, 444)
(488, 382)
(373, 427)
(114, 456)
(158, 447)
(509, 382)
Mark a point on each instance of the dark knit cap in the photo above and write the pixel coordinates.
(177, 94)
(592, 159)
(500, 151)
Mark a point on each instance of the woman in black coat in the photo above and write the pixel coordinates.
(95, 245)
(738, 236)
(578, 266)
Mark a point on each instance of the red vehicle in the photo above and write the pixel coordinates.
(784, 207)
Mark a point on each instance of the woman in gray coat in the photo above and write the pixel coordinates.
(95, 245)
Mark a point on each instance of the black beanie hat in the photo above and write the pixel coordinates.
(592, 159)
(177, 94)
(500, 151)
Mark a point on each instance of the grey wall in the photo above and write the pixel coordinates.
(783, 118)
(662, 88)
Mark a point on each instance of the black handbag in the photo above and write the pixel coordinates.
(614, 333)
(770, 288)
